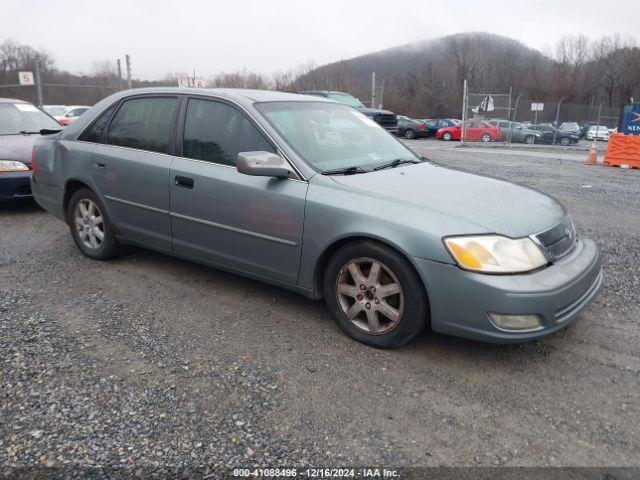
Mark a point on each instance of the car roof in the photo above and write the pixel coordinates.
(241, 95)
(11, 100)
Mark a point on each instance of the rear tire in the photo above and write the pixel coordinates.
(392, 307)
(409, 134)
(564, 141)
(91, 227)
(486, 138)
(529, 140)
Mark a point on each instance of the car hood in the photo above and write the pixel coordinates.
(373, 111)
(479, 204)
(17, 147)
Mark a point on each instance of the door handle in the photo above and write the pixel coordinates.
(183, 182)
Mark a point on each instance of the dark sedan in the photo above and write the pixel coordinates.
(21, 124)
(432, 126)
(410, 128)
(562, 137)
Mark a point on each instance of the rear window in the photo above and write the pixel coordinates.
(144, 123)
(95, 132)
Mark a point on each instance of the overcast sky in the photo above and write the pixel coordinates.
(268, 36)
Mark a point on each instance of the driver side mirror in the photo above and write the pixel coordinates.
(263, 164)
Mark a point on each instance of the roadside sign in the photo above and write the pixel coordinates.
(26, 78)
(537, 107)
(631, 119)
(189, 82)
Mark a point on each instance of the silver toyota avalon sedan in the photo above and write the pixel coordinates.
(314, 196)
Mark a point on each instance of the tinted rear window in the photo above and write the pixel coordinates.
(144, 123)
(95, 131)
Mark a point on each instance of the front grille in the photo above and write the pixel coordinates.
(558, 240)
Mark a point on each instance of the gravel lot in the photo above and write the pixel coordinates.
(150, 362)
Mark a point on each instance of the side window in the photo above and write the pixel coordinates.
(217, 132)
(95, 131)
(432, 124)
(144, 123)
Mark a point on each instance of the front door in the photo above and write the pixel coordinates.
(248, 223)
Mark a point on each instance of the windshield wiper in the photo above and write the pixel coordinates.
(345, 171)
(395, 163)
(44, 131)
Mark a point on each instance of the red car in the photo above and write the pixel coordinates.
(476, 131)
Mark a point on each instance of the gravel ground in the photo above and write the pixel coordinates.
(152, 364)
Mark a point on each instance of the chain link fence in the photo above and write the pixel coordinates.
(483, 112)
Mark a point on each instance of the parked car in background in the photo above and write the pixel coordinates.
(410, 128)
(302, 193)
(585, 128)
(71, 114)
(571, 127)
(384, 118)
(435, 124)
(21, 123)
(55, 110)
(516, 132)
(476, 131)
(562, 137)
(598, 133)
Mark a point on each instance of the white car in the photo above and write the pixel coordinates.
(601, 134)
(71, 114)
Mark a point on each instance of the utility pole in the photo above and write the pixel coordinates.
(557, 119)
(464, 113)
(373, 89)
(127, 60)
(510, 125)
(119, 74)
(39, 84)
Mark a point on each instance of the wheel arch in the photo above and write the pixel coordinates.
(71, 186)
(327, 253)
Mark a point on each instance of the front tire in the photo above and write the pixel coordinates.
(486, 138)
(91, 227)
(446, 136)
(375, 295)
(564, 141)
(529, 140)
(409, 134)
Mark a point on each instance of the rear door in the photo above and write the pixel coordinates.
(248, 223)
(474, 131)
(130, 168)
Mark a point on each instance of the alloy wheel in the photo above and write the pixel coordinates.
(89, 223)
(486, 137)
(370, 295)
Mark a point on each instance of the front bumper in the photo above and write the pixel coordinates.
(460, 300)
(14, 185)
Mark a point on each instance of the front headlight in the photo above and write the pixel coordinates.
(12, 166)
(495, 253)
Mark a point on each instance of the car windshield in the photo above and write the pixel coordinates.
(330, 136)
(346, 99)
(55, 110)
(569, 125)
(16, 118)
